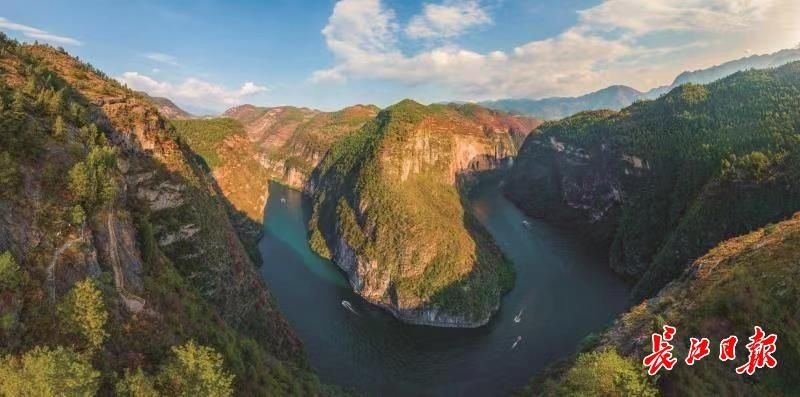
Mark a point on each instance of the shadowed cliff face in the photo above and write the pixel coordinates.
(662, 181)
(387, 209)
(161, 247)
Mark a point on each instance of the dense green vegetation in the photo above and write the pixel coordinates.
(205, 136)
(721, 160)
(601, 374)
(451, 263)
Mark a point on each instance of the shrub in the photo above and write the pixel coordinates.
(196, 370)
(45, 371)
(10, 277)
(604, 373)
(136, 384)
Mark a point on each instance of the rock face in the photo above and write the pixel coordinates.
(292, 141)
(388, 211)
(655, 182)
(160, 246)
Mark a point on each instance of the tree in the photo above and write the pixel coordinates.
(46, 372)
(58, 125)
(92, 179)
(9, 174)
(10, 277)
(136, 384)
(86, 313)
(603, 373)
(196, 370)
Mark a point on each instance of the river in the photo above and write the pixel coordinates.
(565, 291)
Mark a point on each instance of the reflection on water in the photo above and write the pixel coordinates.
(563, 292)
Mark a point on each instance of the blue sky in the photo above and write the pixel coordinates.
(209, 55)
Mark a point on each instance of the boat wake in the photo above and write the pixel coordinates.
(518, 318)
(347, 305)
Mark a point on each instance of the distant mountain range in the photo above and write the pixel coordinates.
(619, 96)
(166, 107)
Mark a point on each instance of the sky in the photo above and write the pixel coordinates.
(208, 56)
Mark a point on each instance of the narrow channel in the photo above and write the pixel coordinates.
(564, 290)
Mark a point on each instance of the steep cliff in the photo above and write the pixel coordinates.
(388, 211)
(663, 181)
(292, 141)
(95, 184)
(744, 282)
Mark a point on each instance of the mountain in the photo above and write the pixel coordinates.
(166, 107)
(292, 141)
(743, 282)
(388, 211)
(662, 181)
(618, 97)
(117, 257)
(712, 74)
(614, 97)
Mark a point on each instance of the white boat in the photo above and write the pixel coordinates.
(518, 318)
(516, 342)
(283, 200)
(526, 223)
(349, 306)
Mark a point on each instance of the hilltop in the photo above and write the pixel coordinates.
(388, 210)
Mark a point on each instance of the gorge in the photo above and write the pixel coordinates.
(443, 249)
(564, 290)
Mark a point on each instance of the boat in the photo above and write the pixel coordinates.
(347, 305)
(518, 318)
(283, 200)
(516, 342)
(526, 223)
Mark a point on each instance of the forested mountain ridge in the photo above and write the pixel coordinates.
(663, 181)
(388, 210)
(116, 251)
(751, 280)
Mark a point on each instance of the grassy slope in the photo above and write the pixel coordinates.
(449, 262)
(202, 288)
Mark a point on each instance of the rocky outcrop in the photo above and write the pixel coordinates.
(389, 213)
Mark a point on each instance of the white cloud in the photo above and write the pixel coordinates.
(609, 44)
(37, 34)
(162, 58)
(447, 20)
(192, 91)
